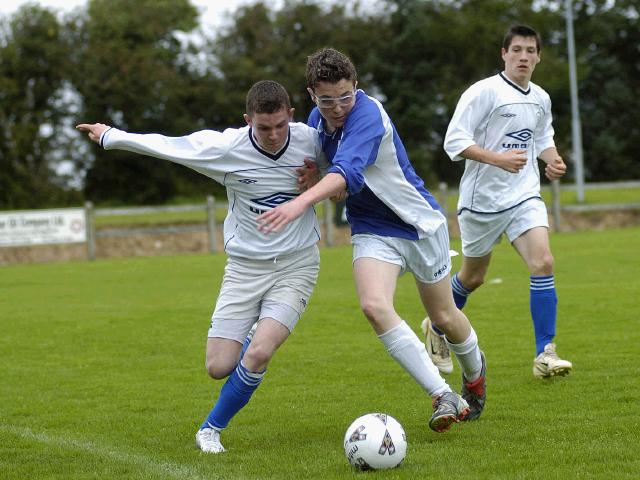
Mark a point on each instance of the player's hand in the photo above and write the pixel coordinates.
(275, 219)
(95, 130)
(512, 160)
(555, 169)
(308, 175)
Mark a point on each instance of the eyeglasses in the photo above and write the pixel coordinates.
(330, 102)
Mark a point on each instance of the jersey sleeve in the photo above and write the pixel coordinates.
(361, 138)
(544, 134)
(201, 151)
(472, 109)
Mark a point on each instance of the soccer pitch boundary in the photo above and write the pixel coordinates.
(144, 462)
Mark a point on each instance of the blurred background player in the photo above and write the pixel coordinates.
(268, 278)
(502, 126)
(396, 225)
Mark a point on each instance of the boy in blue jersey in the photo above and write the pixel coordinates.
(501, 127)
(396, 225)
(267, 279)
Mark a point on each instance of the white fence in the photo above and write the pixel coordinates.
(211, 228)
(92, 233)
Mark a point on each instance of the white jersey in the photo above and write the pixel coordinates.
(498, 115)
(255, 179)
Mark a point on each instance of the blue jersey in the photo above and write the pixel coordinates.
(386, 196)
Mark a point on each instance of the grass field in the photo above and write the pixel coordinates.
(102, 374)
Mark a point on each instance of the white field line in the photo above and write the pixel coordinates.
(162, 469)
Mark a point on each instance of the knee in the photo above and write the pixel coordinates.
(542, 265)
(257, 357)
(218, 370)
(444, 319)
(472, 281)
(373, 309)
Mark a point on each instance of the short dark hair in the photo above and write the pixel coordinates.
(521, 31)
(329, 65)
(267, 96)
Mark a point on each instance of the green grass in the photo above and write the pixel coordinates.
(102, 374)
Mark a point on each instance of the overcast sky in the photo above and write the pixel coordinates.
(211, 11)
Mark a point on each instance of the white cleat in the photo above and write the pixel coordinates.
(208, 440)
(437, 348)
(548, 364)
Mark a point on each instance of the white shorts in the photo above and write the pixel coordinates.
(428, 258)
(481, 231)
(256, 289)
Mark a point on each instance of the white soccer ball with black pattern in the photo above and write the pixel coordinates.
(375, 441)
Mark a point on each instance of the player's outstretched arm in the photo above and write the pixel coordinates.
(275, 219)
(95, 130)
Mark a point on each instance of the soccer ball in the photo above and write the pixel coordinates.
(375, 441)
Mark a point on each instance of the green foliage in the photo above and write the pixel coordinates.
(145, 67)
(133, 76)
(103, 374)
(33, 72)
(610, 109)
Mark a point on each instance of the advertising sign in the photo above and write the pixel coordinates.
(40, 227)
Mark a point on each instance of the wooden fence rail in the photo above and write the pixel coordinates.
(327, 220)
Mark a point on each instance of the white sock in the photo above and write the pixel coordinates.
(468, 355)
(407, 349)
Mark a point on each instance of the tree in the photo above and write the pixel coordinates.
(266, 44)
(134, 73)
(607, 39)
(33, 66)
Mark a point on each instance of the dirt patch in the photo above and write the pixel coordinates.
(197, 242)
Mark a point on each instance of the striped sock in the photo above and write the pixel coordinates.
(234, 395)
(460, 292)
(543, 304)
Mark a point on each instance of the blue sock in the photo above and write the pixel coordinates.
(245, 345)
(544, 303)
(235, 394)
(460, 292)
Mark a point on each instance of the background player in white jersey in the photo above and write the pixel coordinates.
(268, 278)
(502, 126)
(396, 225)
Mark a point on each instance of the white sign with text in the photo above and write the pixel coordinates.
(40, 227)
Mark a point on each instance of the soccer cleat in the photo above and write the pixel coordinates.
(475, 392)
(208, 440)
(448, 408)
(548, 364)
(437, 348)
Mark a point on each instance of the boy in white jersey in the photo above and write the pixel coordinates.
(396, 225)
(501, 126)
(268, 278)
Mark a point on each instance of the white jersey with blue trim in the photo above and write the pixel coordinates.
(255, 180)
(498, 115)
(386, 196)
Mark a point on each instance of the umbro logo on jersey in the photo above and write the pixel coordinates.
(508, 115)
(247, 181)
(271, 201)
(523, 136)
(274, 199)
